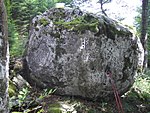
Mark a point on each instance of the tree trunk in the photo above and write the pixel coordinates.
(4, 60)
(144, 31)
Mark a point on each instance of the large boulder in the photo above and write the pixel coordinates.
(73, 52)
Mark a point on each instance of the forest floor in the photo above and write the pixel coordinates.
(137, 100)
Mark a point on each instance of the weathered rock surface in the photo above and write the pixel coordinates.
(71, 51)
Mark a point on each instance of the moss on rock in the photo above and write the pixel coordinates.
(44, 21)
(80, 24)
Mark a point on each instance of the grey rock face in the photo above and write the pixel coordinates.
(72, 51)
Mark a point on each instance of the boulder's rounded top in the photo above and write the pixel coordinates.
(75, 20)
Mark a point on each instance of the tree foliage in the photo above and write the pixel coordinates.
(20, 14)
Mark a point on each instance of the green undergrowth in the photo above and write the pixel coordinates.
(141, 88)
(137, 100)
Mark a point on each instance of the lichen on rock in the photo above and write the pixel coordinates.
(70, 50)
